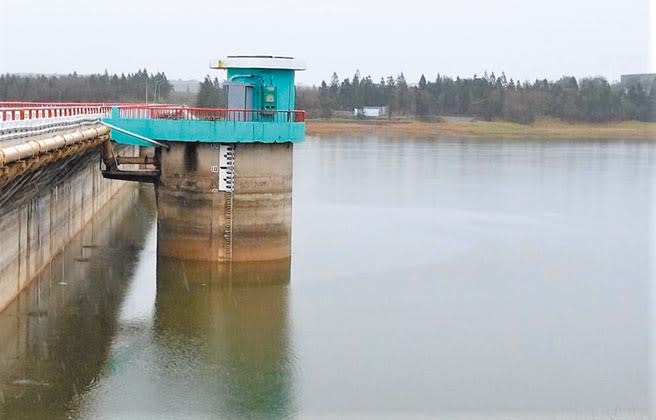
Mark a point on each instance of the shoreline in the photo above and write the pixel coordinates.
(543, 128)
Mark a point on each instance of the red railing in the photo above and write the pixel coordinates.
(15, 104)
(209, 114)
(43, 112)
(18, 111)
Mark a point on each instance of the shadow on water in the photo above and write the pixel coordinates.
(55, 338)
(230, 323)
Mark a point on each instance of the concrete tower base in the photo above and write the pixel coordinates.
(198, 221)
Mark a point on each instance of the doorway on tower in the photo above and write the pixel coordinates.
(240, 101)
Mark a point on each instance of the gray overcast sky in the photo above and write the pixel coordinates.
(524, 38)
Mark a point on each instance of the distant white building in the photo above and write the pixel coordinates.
(370, 112)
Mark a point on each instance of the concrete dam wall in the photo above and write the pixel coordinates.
(46, 317)
(41, 211)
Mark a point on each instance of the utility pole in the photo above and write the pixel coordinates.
(157, 83)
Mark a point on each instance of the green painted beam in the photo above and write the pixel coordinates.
(220, 131)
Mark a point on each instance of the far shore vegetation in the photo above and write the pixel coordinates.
(448, 127)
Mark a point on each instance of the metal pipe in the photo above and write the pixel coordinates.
(33, 148)
(136, 136)
(246, 76)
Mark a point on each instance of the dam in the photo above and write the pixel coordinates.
(222, 177)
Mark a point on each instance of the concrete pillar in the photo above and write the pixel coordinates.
(197, 221)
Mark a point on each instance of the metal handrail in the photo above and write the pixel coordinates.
(42, 112)
(18, 104)
(210, 114)
(15, 111)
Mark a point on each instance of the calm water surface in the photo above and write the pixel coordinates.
(451, 279)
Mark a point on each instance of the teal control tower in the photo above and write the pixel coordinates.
(223, 176)
(260, 82)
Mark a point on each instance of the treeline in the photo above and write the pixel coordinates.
(211, 94)
(133, 87)
(488, 97)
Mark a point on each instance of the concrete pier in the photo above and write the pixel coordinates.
(198, 221)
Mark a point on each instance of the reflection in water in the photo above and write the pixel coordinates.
(233, 320)
(215, 346)
(113, 331)
(56, 336)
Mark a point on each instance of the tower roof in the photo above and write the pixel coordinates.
(258, 62)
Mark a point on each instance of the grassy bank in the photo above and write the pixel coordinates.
(450, 128)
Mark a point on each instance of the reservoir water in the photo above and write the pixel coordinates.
(429, 278)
